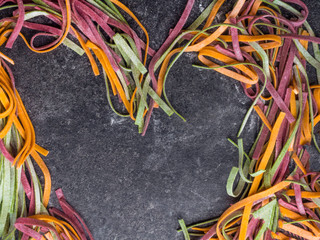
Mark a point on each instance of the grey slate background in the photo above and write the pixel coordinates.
(126, 186)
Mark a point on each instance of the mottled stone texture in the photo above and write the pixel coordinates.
(124, 185)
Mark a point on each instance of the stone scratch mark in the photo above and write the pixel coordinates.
(198, 162)
(219, 165)
(237, 86)
(217, 199)
(199, 195)
(170, 172)
(252, 124)
(116, 120)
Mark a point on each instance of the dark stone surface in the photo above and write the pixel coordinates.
(124, 185)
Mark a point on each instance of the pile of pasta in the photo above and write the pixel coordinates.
(267, 47)
(264, 45)
(86, 27)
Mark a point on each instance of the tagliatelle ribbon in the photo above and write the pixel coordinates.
(263, 117)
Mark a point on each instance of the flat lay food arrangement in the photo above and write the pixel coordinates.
(268, 49)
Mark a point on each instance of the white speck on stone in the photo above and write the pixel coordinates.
(116, 121)
(201, 7)
(237, 87)
(218, 165)
(156, 125)
(151, 206)
(253, 123)
(154, 162)
(189, 55)
(219, 16)
(156, 121)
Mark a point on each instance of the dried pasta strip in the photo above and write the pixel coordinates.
(263, 117)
